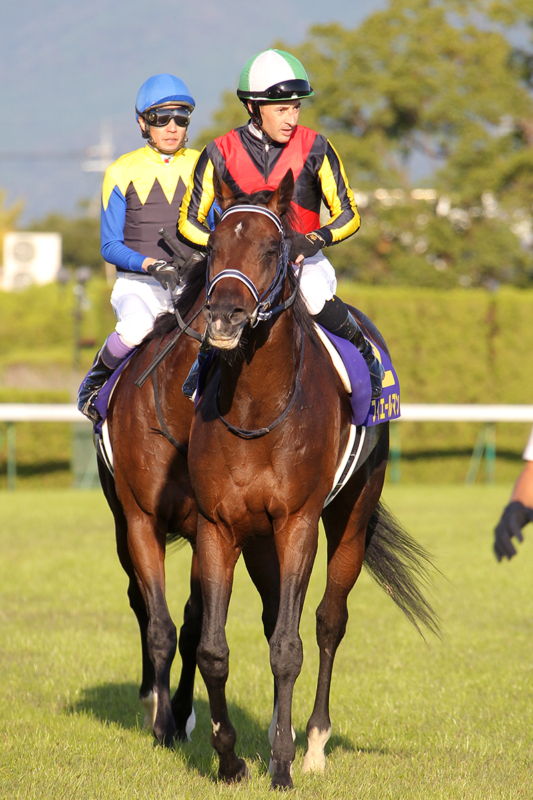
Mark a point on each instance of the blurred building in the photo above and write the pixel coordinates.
(30, 259)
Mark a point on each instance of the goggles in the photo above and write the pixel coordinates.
(286, 90)
(160, 117)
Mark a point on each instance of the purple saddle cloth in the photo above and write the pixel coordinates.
(365, 411)
(105, 393)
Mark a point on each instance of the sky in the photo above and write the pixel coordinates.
(67, 68)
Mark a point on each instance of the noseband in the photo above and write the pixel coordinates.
(263, 309)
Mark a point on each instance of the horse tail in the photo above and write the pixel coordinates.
(401, 566)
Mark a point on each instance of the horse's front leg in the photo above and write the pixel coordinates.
(142, 554)
(217, 558)
(296, 544)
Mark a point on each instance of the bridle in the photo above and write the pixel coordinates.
(263, 309)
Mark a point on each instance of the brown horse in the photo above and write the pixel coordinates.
(267, 438)
(152, 502)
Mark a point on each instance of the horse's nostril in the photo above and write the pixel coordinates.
(237, 315)
(207, 313)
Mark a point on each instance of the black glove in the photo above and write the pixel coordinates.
(166, 274)
(514, 517)
(305, 246)
(186, 265)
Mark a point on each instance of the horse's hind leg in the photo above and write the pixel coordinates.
(345, 523)
(182, 702)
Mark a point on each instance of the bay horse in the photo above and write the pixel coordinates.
(152, 502)
(267, 437)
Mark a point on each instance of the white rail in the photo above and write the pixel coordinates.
(40, 412)
(11, 413)
(411, 412)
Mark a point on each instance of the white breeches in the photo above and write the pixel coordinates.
(318, 282)
(137, 301)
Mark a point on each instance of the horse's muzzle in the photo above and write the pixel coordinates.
(225, 327)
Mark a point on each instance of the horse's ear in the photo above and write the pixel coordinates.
(280, 200)
(223, 194)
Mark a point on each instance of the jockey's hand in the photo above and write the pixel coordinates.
(185, 265)
(305, 246)
(166, 274)
(514, 517)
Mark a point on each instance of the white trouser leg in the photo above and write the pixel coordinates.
(136, 303)
(318, 282)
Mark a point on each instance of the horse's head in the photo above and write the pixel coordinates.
(248, 261)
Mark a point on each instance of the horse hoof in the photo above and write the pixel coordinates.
(282, 784)
(239, 773)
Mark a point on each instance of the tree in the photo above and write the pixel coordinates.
(435, 82)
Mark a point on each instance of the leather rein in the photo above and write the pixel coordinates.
(263, 310)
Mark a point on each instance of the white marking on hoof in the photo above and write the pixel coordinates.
(314, 759)
(190, 725)
(149, 703)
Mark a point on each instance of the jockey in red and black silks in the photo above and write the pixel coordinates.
(248, 163)
(256, 157)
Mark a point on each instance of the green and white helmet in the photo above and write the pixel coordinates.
(273, 75)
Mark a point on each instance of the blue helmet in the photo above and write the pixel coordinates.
(161, 89)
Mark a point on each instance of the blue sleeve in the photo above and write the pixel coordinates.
(113, 219)
(211, 215)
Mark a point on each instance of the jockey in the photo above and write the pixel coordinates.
(257, 156)
(142, 192)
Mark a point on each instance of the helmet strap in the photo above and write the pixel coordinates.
(257, 120)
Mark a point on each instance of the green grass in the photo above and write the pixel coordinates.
(450, 719)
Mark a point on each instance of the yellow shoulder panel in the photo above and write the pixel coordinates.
(142, 167)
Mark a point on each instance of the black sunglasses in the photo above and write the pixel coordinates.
(159, 117)
(288, 89)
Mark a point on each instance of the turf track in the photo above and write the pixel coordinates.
(450, 719)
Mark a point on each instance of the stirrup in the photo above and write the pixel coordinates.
(88, 409)
(191, 381)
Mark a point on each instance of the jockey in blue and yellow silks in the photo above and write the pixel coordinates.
(256, 157)
(141, 194)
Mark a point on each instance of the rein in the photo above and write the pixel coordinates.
(259, 432)
(263, 311)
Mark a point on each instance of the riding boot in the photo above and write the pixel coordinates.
(191, 381)
(337, 319)
(105, 363)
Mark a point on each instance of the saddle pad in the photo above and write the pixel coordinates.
(366, 411)
(104, 395)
